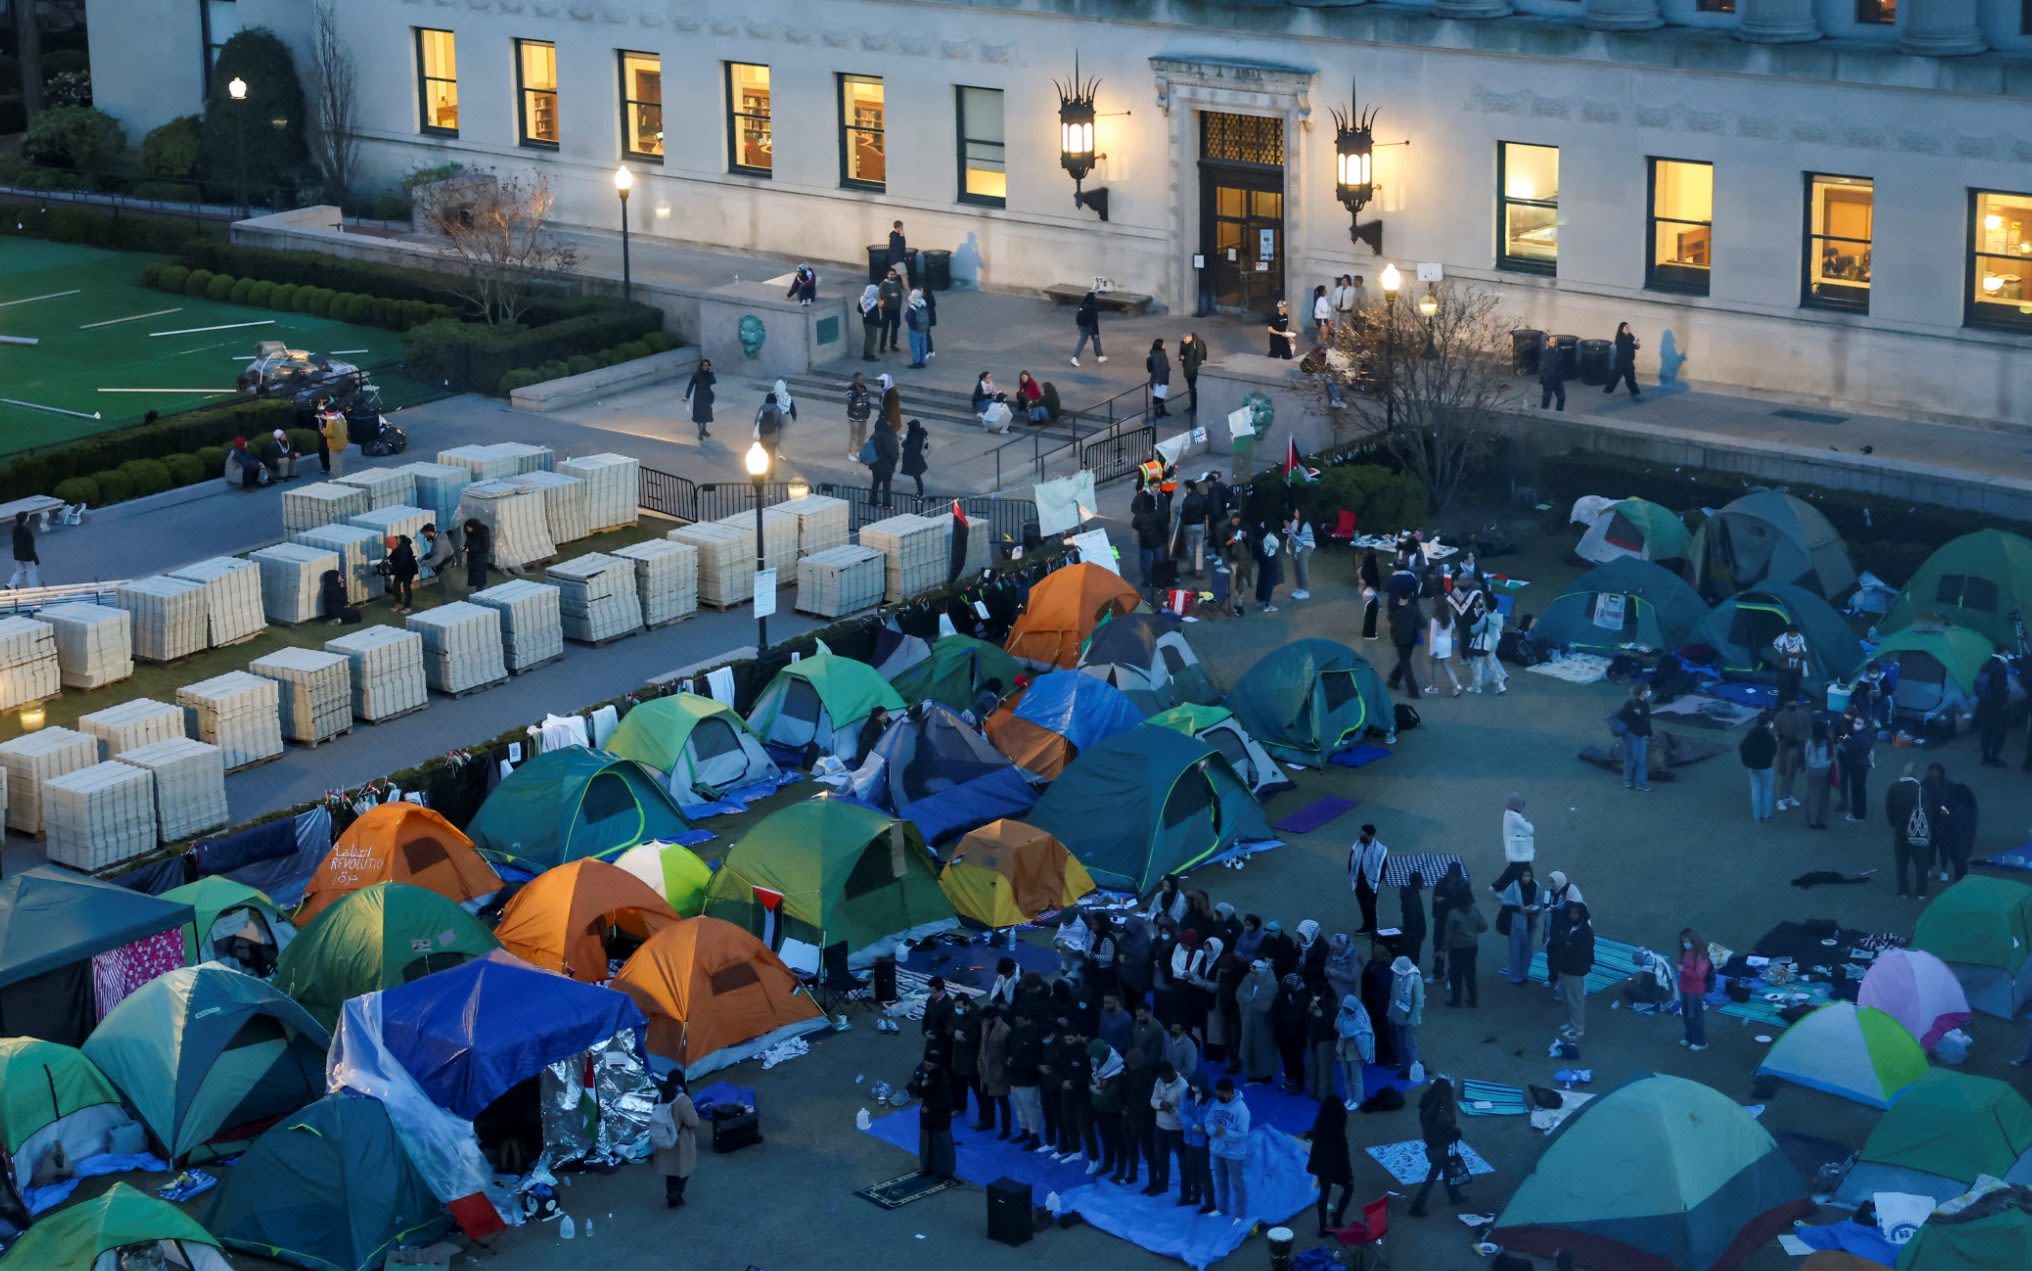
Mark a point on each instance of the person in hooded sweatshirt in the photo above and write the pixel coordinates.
(1227, 1127)
(1914, 828)
(1312, 954)
(1280, 949)
(1407, 1011)
(1576, 954)
(1520, 841)
(1256, 994)
(1453, 891)
(1377, 981)
(1354, 1048)
(1328, 1162)
(1557, 892)
(1518, 921)
(1439, 1128)
(1343, 966)
(1411, 917)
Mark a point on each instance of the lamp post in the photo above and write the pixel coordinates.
(236, 88)
(624, 181)
(758, 471)
(1428, 309)
(1392, 280)
(1076, 138)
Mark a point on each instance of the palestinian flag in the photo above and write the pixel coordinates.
(1295, 471)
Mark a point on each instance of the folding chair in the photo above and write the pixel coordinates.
(837, 989)
(1345, 528)
(1366, 1237)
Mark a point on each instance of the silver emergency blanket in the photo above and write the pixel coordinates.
(606, 1125)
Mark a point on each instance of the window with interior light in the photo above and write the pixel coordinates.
(437, 81)
(1877, 12)
(536, 86)
(1839, 215)
(864, 161)
(983, 176)
(1680, 252)
(2000, 260)
(750, 145)
(642, 106)
(1527, 207)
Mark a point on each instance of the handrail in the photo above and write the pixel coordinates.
(1042, 458)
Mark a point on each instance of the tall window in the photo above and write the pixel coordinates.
(642, 106)
(2000, 259)
(864, 163)
(983, 177)
(536, 83)
(1682, 226)
(750, 147)
(1839, 213)
(1877, 12)
(437, 81)
(1716, 6)
(1527, 207)
(219, 21)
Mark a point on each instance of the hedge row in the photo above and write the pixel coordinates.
(138, 478)
(128, 231)
(580, 363)
(318, 302)
(315, 269)
(473, 357)
(40, 473)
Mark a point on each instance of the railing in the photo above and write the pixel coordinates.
(718, 500)
(670, 495)
(1117, 454)
(1105, 417)
(667, 494)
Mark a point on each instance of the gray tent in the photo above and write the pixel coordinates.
(1767, 539)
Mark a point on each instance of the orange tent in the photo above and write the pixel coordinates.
(1008, 872)
(560, 920)
(400, 843)
(714, 995)
(1063, 610)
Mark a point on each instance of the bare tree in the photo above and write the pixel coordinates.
(496, 225)
(334, 142)
(1423, 387)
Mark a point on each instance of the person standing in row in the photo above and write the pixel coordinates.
(918, 328)
(870, 306)
(699, 391)
(1369, 576)
(915, 439)
(933, 1087)
(1158, 366)
(860, 404)
(1322, 315)
(1551, 373)
(1623, 361)
(1366, 861)
(1087, 318)
(1192, 355)
(1227, 1127)
(1283, 340)
(1300, 542)
(1759, 753)
(892, 294)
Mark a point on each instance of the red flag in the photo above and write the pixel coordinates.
(771, 900)
(958, 514)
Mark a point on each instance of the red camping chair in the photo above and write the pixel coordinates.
(1346, 528)
(1367, 1235)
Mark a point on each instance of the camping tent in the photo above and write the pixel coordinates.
(1147, 656)
(1169, 802)
(1976, 581)
(560, 921)
(1057, 717)
(822, 699)
(673, 871)
(87, 1236)
(1918, 990)
(1856, 1052)
(931, 767)
(1218, 727)
(232, 923)
(570, 803)
(1766, 538)
(52, 923)
(49, 1095)
(1633, 527)
(714, 995)
(1659, 1174)
(1945, 1129)
(1993, 1232)
(1742, 628)
(895, 652)
(204, 1051)
(1063, 609)
(827, 872)
(401, 842)
(330, 1188)
(1008, 873)
(955, 671)
(1311, 698)
(1982, 928)
(374, 938)
(1937, 667)
(1627, 601)
(703, 747)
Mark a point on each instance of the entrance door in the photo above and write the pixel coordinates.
(1242, 211)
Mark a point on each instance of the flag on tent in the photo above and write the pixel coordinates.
(1295, 471)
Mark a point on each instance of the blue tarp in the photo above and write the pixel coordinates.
(1079, 707)
(736, 801)
(470, 1034)
(934, 768)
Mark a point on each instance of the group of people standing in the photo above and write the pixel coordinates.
(1200, 525)
(1553, 374)
(1451, 612)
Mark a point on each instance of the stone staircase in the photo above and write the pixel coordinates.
(937, 407)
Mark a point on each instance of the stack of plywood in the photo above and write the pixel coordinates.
(100, 816)
(532, 622)
(666, 579)
(189, 780)
(823, 522)
(612, 488)
(316, 692)
(461, 646)
(133, 724)
(172, 618)
(916, 548)
(779, 538)
(599, 598)
(397, 521)
(385, 487)
(840, 580)
(387, 671)
(29, 671)
(516, 516)
(239, 713)
(234, 605)
(291, 577)
(483, 462)
(565, 509)
(357, 550)
(321, 503)
(726, 562)
(32, 761)
(94, 643)
(437, 490)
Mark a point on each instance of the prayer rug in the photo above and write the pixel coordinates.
(905, 1188)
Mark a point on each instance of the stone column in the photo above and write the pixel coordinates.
(1939, 28)
(1778, 22)
(1470, 10)
(1621, 15)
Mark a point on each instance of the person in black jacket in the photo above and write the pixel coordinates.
(1635, 717)
(402, 571)
(1158, 367)
(1192, 515)
(933, 1088)
(915, 439)
(1148, 522)
(1411, 922)
(888, 451)
(27, 564)
(1993, 708)
(1576, 953)
(333, 604)
(1328, 1161)
(1551, 373)
(699, 389)
(479, 553)
(1440, 1130)
(1406, 622)
(1759, 751)
(1623, 361)
(1088, 319)
(1914, 828)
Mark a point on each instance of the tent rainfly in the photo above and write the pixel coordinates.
(1061, 714)
(570, 803)
(1856, 1052)
(1979, 581)
(234, 923)
(1742, 628)
(823, 700)
(561, 919)
(1940, 1134)
(401, 842)
(1062, 610)
(1007, 873)
(1937, 667)
(375, 938)
(673, 871)
(1218, 727)
(1631, 527)
(703, 747)
(1919, 991)
(931, 767)
(1981, 927)
(52, 1095)
(90, 1236)
(954, 671)
(1147, 656)
(1767, 538)
(715, 995)
(52, 923)
(1624, 602)
(1312, 698)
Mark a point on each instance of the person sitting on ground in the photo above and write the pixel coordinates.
(280, 456)
(334, 606)
(1030, 399)
(243, 469)
(991, 406)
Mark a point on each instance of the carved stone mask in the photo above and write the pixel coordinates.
(753, 333)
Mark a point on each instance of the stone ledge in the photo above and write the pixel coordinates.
(622, 377)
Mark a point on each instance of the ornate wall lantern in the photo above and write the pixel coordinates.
(1355, 169)
(1076, 138)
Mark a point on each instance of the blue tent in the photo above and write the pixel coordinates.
(1057, 717)
(936, 770)
(471, 1034)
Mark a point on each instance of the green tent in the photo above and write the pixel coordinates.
(824, 698)
(1945, 1130)
(1982, 928)
(956, 671)
(1976, 581)
(1171, 803)
(1633, 527)
(673, 870)
(1659, 1174)
(52, 923)
(203, 1051)
(52, 1094)
(1937, 666)
(1742, 628)
(569, 803)
(1626, 601)
(74, 1238)
(330, 1188)
(376, 938)
(1993, 1232)
(1218, 727)
(1766, 538)
(705, 747)
(1856, 1052)
(846, 875)
(232, 920)
(1311, 698)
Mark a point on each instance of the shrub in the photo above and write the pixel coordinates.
(660, 341)
(470, 355)
(241, 292)
(430, 175)
(553, 370)
(521, 378)
(302, 440)
(273, 92)
(114, 485)
(261, 295)
(211, 460)
(580, 363)
(199, 281)
(184, 470)
(78, 490)
(170, 151)
(220, 288)
(149, 476)
(151, 274)
(320, 305)
(285, 296)
(172, 278)
(76, 137)
(631, 350)
(318, 270)
(384, 312)
(357, 308)
(159, 234)
(303, 298)
(391, 207)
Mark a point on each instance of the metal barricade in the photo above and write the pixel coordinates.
(1116, 455)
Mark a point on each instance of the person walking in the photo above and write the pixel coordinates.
(1817, 756)
(870, 306)
(1406, 624)
(1464, 928)
(1576, 953)
(1694, 972)
(1759, 752)
(698, 390)
(1192, 514)
(1087, 318)
(337, 436)
(1322, 316)
(892, 294)
(860, 404)
(1485, 637)
(1354, 1048)
(769, 424)
(1367, 858)
(1858, 754)
(1635, 718)
(1227, 1128)
(1157, 365)
(1915, 829)
(1551, 373)
(1788, 653)
(1440, 1130)
(915, 439)
(1192, 355)
(402, 571)
(1622, 361)
(1407, 1012)
(1369, 575)
(479, 551)
(1301, 543)
(1283, 340)
(27, 563)
(1439, 649)
(1327, 1159)
(933, 1087)
(673, 1139)
(888, 453)
(1516, 920)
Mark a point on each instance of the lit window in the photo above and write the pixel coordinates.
(1877, 12)
(863, 159)
(983, 176)
(642, 105)
(2000, 235)
(1527, 207)
(750, 146)
(437, 81)
(220, 21)
(536, 80)
(1716, 6)
(1839, 213)
(1682, 226)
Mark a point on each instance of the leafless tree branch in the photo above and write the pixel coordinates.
(496, 226)
(334, 99)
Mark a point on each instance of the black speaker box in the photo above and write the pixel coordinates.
(1009, 1219)
(885, 979)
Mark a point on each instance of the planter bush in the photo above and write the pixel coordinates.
(196, 285)
(80, 138)
(115, 486)
(301, 303)
(580, 363)
(357, 309)
(285, 296)
(39, 472)
(241, 292)
(303, 441)
(185, 469)
(129, 231)
(517, 379)
(470, 355)
(78, 490)
(631, 350)
(171, 151)
(261, 295)
(211, 460)
(151, 273)
(220, 288)
(172, 278)
(149, 476)
(552, 370)
(660, 341)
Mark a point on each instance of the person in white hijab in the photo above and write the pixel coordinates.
(1520, 841)
(1255, 995)
(870, 306)
(1407, 1011)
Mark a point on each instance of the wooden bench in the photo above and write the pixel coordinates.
(1131, 302)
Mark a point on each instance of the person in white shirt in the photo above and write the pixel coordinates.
(1322, 314)
(1365, 873)
(1520, 842)
(1789, 650)
(1343, 298)
(1300, 542)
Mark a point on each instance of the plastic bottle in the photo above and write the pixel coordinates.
(565, 1229)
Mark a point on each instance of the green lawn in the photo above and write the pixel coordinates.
(76, 359)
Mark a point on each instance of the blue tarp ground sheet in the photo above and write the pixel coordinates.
(738, 799)
(1851, 1237)
(2014, 858)
(39, 1199)
(1358, 756)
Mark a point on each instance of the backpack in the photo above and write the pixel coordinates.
(1918, 827)
(1618, 726)
(1407, 717)
(662, 1130)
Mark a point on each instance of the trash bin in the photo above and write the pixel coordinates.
(1569, 353)
(936, 269)
(1524, 351)
(878, 262)
(1594, 362)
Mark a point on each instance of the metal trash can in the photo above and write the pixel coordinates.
(1594, 362)
(878, 262)
(1524, 351)
(1569, 353)
(935, 267)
